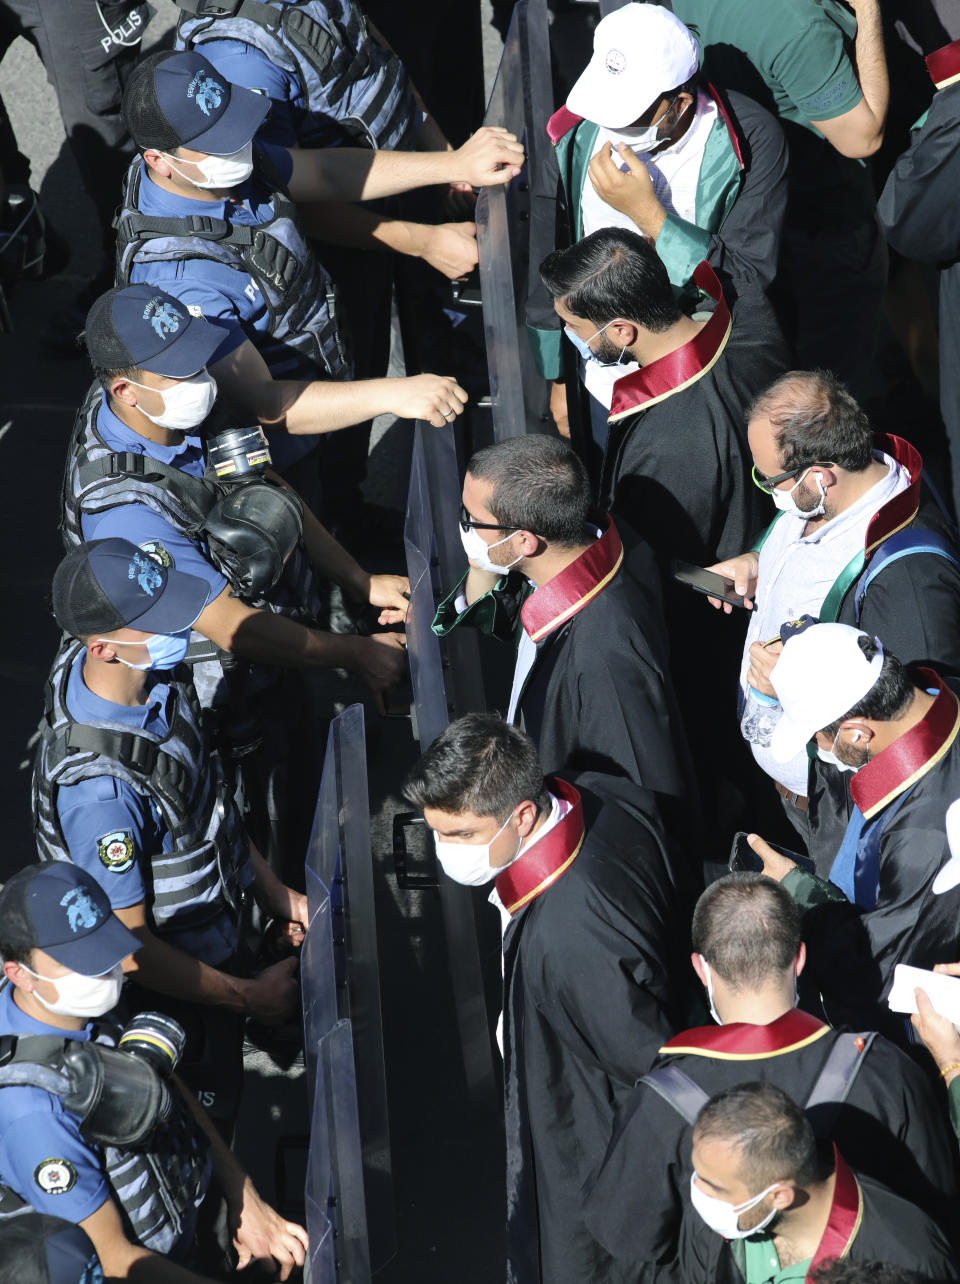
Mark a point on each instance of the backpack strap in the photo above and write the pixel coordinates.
(678, 1090)
(902, 544)
(835, 1080)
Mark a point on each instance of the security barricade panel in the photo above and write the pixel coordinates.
(446, 679)
(349, 1181)
(515, 230)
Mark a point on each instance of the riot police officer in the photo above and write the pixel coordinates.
(92, 1127)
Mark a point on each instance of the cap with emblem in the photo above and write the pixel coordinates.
(111, 584)
(61, 909)
(36, 1248)
(640, 53)
(142, 326)
(819, 677)
(180, 100)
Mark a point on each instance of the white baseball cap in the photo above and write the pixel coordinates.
(639, 53)
(820, 675)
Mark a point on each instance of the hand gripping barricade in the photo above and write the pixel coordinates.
(349, 1177)
(434, 561)
(515, 230)
(355, 90)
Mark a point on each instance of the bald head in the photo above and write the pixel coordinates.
(812, 418)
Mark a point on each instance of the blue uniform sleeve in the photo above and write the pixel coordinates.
(156, 536)
(49, 1164)
(280, 157)
(245, 65)
(109, 831)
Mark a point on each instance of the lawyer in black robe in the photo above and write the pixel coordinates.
(591, 958)
(866, 1224)
(891, 1126)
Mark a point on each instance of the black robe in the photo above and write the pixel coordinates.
(891, 1126)
(590, 966)
(866, 1224)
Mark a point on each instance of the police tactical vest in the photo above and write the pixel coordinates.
(97, 479)
(158, 1189)
(303, 339)
(200, 877)
(356, 91)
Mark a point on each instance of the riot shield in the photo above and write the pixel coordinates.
(349, 1182)
(446, 681)
(514, 228)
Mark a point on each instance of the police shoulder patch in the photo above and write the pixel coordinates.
(55, 1176)
(153, 548)
(115, 851)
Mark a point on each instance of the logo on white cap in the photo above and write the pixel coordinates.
(615, 62)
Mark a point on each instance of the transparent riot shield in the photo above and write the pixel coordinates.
(446, 682)
(514, 229)
(349, 1194)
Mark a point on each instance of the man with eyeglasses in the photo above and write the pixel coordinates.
(858, 540)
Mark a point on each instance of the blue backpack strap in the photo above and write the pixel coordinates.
(678, 1090)
(902, 544)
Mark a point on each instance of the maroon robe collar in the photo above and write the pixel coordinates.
(846, 1215)
(553, 603)
(900, 511)
(740, 1041)
(681, 368)
(944, 65)
(911, 755)
(548, 858)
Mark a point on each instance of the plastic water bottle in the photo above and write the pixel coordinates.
(761, 713)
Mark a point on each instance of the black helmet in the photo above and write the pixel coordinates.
(251, 532)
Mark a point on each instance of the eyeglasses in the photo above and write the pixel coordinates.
(466, 522)
(769, 484)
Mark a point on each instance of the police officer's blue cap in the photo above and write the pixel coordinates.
(181, 100)
(144, 327)
(36, 1248)
(59, 908)
(110, 584)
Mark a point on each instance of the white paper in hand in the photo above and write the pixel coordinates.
(949, 876)
(942, 991)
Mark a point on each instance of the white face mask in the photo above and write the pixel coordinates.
(185, 405)
(478, 550)
(645, 138)
(469, 863)
(219, 171)
(829, 756)
(79, 995)
(783, 499)
(723, 1217)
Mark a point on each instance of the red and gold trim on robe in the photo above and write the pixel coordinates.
(944, 65)
(911, 755)
(681, 368)
(740, 1041)
(846, 1215)
(899, 512)
(548, 858)
(557, 601)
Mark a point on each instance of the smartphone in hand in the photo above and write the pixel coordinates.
(743, 859)
(706, 582)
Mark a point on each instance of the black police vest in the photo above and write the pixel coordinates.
(356, 91)
(303, 338)
(160, 1187)
(199, 879)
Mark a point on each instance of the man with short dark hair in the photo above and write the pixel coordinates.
(871, 1098)
(590, 682)
(590, 946)
(859, 540)
(882, 842)
(768, 1198)
(675, 457)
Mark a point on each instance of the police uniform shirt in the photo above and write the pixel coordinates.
(43, 1157)
(111, 830)
(139, 523)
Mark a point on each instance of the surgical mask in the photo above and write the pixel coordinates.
(647, 137)
(185, 405)
(165, 650)
(220, 171)
(82, 996)
(583, 346)
(723, 1217)
(783, 499)
(478, 551)
(469, 863)
(828, 756)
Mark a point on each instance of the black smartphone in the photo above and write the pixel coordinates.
(707, 582)
(743, 859)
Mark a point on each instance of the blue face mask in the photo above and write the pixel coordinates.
(166, 650)
(583, 346)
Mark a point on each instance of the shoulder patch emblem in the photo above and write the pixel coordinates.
(153, 548)
(195, 310)
(116, 851)
(55, 1176)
